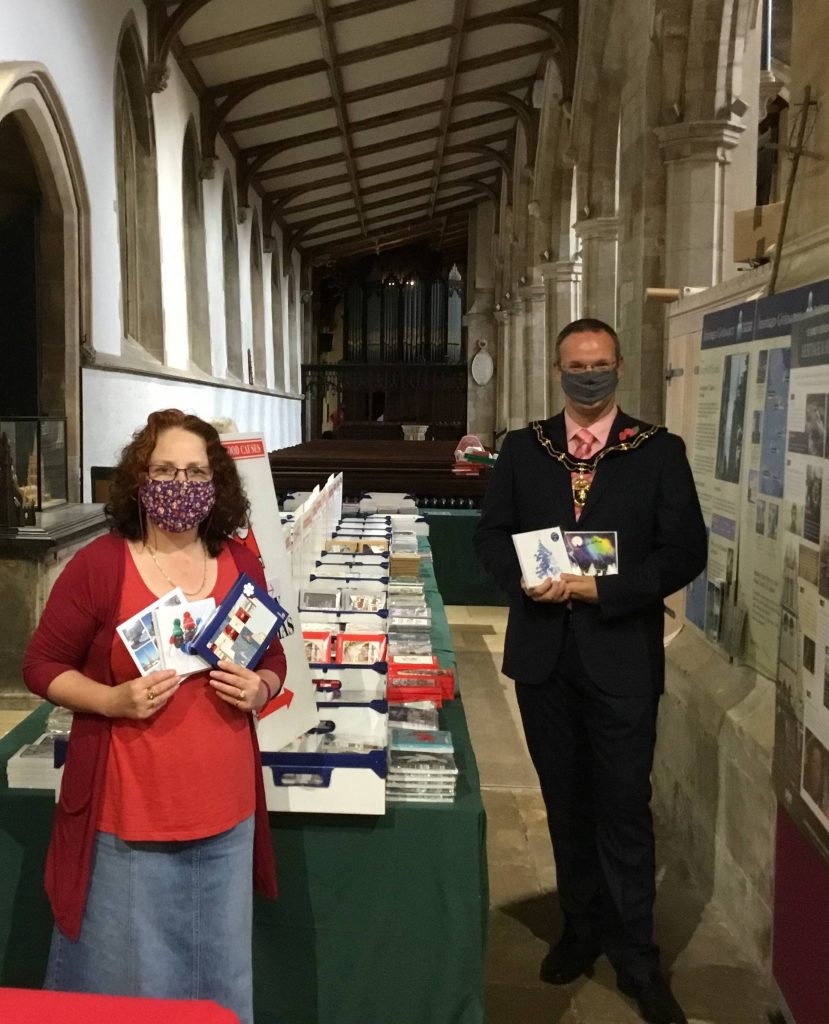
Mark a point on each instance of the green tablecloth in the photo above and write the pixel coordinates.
(379, 920)
(460, 576)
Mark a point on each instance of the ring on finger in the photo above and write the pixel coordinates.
(241, 696)
(151, 695)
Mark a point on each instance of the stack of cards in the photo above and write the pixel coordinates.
(424, 775)
(33, 766)
(162, 634)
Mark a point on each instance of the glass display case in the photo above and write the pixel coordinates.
(38, 453)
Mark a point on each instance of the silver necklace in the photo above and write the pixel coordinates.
(187, 593)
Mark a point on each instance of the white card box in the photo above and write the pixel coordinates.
(306, 778)
(541, 554)
(33, 766)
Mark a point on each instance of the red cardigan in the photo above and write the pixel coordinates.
(76, 631)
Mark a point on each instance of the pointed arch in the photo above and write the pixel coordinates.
(277, 327)
(294, 342)
(195, 252)
(137, 188)
(31, 111)
(257, 303)
(230, 268)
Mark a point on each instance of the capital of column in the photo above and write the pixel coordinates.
(698, 140)
(562, 271)
(533, 292)
(602, 229)
(501, 316)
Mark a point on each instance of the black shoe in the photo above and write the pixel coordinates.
(654, 997)
(568, 960)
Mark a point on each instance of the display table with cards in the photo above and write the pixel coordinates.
(378, 918)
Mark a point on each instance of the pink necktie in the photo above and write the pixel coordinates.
(583, 442)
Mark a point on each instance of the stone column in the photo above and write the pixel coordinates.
(699, 228)
(562, 283)
(481, 402)
(517, 409)
(600, 246)
(502, 369)
(536, 352)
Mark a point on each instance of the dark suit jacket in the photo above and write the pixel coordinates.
(647, 495)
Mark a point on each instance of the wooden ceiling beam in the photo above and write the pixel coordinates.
(378, 203)
(308, 165)
(409, 179)
(393, 234)
(241, 124)
(244, 87)
(335, 84)
(448, 95)
(379, 120)
(306, 22)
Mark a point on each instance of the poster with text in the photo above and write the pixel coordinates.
(295, 710)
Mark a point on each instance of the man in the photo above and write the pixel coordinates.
(586, 652)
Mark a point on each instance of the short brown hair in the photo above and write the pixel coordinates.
(232, 507)
(591, 326)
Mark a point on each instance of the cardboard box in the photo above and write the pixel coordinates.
(755, 231)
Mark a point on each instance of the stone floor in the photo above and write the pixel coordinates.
(711, 980)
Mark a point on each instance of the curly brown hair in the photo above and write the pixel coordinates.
(232, 507)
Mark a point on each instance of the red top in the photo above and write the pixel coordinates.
(185, 772)
(75, 632)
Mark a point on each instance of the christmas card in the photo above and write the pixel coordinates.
(542, 555)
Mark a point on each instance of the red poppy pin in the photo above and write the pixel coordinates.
(628, 432)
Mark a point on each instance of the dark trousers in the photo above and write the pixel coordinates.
(593, 753)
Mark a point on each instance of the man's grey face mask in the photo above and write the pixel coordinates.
(591, 387)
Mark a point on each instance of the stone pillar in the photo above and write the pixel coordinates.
(562, 283)
(600, 246)
(536, 353)
(502, 370)
(481, 402)
(699, 228)
(517, 409)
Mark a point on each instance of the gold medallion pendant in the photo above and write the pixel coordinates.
(581, 485)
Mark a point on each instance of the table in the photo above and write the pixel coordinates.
(460, 575)
(378, 920)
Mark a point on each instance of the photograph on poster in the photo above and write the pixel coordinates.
(773, 424)
(751, 492)
(823, 577)
(762, 363)
(713, 610)
(815, 425)
(809, 654)
(826, 677)
(760, 516)
(789, 595)
(811, 506)
(756, 426)
(732, 412)
(807, 564)
(773, 514)
(788, 641)
(815, 781)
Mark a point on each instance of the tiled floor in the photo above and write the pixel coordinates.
(712, 981)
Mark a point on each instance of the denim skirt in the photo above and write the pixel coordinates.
(167, 920)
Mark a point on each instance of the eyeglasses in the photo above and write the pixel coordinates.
(602, 366)
(195, 474)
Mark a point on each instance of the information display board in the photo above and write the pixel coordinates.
(760, 450)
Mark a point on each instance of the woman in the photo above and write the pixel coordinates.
(161, 813)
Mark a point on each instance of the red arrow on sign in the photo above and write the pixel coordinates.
(284, 700)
